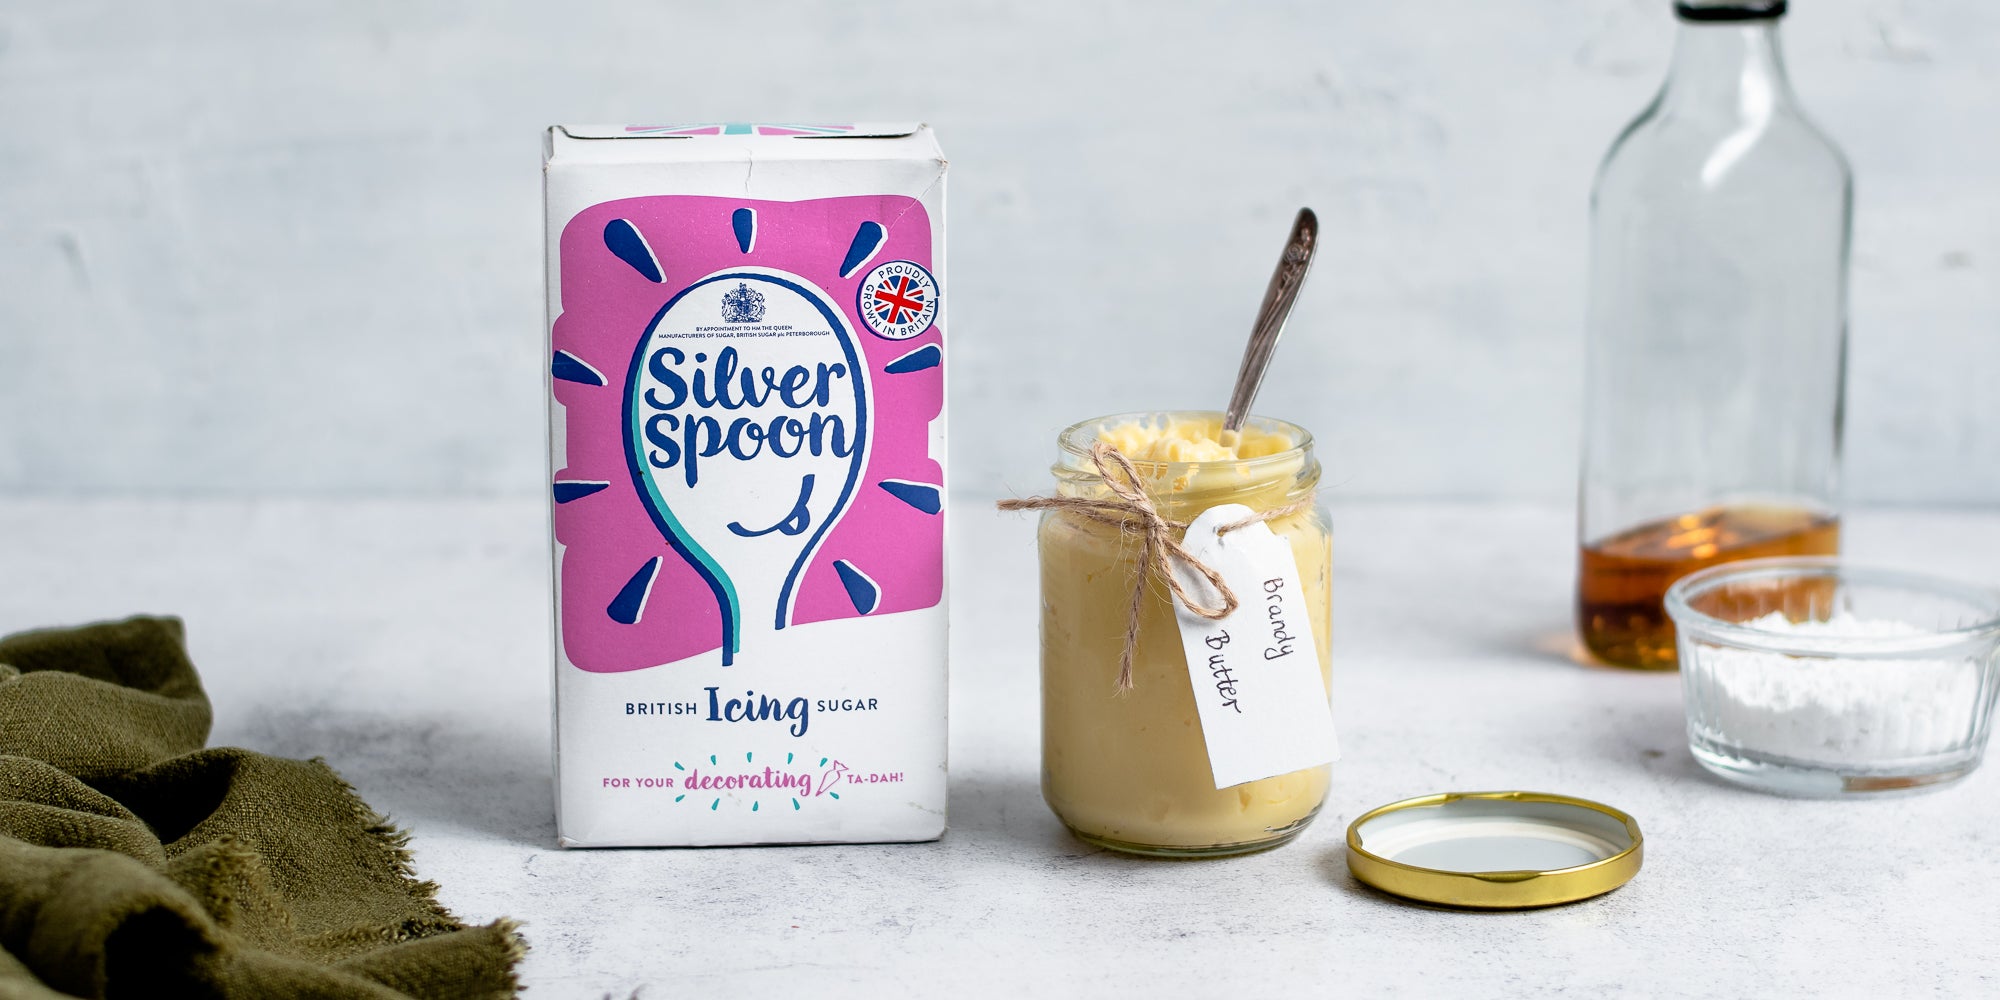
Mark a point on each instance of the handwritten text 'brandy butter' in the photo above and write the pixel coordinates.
(1256, 673)
(681, 429)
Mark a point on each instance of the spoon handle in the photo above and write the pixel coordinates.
(1278, 299)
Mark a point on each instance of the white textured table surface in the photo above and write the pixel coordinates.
(407, 643)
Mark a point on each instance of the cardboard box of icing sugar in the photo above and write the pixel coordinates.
(747, 464)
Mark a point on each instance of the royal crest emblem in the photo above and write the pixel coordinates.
(742, 304)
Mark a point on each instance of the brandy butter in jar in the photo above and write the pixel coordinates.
(1124, 761)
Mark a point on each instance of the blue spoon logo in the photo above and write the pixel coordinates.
(746, 432)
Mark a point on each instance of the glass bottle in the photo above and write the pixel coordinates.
(1128, 769)
(1717, 333)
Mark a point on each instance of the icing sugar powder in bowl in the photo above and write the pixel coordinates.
(1808, 676)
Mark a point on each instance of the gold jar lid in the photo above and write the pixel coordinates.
(1494, 850)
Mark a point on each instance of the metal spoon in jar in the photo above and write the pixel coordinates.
(1278, 299)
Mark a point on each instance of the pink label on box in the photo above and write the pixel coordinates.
(747, 389)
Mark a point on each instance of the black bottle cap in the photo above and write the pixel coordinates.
(1734, 10)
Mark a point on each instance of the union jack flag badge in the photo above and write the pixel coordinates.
(898, 300)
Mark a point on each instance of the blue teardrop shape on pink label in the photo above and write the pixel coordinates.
(867, 239)
(570, 368)
(922, 496)
(927, 356)
(863, 591)
(631, 600)
(576, 489)
(623, 239)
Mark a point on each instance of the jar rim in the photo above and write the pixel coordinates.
(1076, 439)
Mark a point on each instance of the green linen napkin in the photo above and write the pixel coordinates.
(135, 863)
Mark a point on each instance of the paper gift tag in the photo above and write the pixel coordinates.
(1257, 684)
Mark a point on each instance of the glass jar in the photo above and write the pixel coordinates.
(1127, 768)
(1717, 333)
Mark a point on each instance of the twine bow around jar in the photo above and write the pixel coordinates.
(1133, 512)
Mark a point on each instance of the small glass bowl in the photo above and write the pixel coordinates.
(1806, 676)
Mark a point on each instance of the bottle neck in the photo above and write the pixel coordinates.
(1727, 69)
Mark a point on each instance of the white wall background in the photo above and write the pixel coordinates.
(294, 248)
